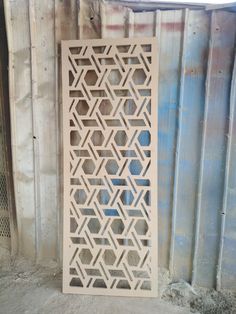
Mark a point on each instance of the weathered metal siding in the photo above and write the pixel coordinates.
(213, 149)
(226, 269)
(170, 26)
(190, 117)
(196, 132)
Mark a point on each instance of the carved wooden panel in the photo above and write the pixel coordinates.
(110, 166)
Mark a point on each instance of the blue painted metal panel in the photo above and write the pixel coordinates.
(190, 169)
(191, 109)
(211, 182)
(170, 42)
(179, 239)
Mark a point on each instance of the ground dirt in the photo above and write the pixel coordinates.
(26, 288)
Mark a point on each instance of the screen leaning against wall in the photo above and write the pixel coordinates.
(110, 166)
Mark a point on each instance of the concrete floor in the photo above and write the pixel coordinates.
(26, 288)
(29, 289)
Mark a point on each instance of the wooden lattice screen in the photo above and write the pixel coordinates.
(110, 166)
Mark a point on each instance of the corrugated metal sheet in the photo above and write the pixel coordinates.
(213, 148)
(188, 147)
(196, 186)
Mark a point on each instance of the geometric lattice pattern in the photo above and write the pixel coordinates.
(4, 214)
(4, 226)
(110, 166)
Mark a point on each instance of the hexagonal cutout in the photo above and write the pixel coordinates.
(85, 256)
(103, 197)
(117, 226)
(114, 77)
(97, 138)
(135, 167)
(80, 196)
(141, 227)
(82, 107)
(139, 77)
(121, 138)
(133, 258)
(88, 166)
(94, 225)
(129, 107)
(109, 257)
(75, 138)
(127, 197)
(112, 166)
(105, 107)
(91, 78)
(144, 138)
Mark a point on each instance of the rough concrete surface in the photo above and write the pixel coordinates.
(26, 288)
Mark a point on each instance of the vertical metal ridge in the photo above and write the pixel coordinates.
(103, 19)
(58, 138)
(157, 29)
(34, 91)
(179, 131)
(226, 182)
(157, 33)
(130, 24)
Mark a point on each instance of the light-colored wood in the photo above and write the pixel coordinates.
(117, 22)
(110, 166)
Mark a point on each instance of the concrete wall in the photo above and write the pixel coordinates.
(197, 139)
